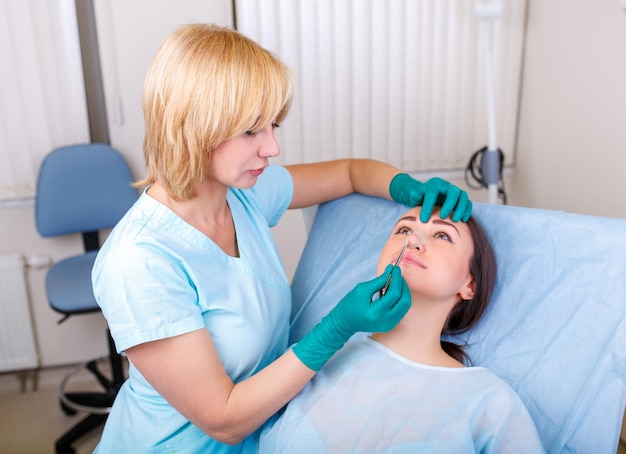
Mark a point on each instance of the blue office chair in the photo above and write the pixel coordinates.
(82, 189)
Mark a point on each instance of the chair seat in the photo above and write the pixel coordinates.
(68, 285)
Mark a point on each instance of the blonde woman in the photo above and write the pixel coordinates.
(190, 280)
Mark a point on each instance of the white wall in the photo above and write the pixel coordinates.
(572, 137)
(571, 150)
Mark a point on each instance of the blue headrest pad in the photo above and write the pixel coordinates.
(554, 330)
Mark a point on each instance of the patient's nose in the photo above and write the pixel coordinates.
(418, 240)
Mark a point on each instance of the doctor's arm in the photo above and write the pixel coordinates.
(187, 371)
(320, 182)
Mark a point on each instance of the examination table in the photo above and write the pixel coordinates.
(555, 328)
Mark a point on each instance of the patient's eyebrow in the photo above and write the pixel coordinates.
(441, 221)
(435, 221)
(407, 218)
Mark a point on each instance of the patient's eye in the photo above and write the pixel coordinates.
(443, 236)
(404, 230)
(275, 125)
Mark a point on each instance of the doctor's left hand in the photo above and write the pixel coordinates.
(411, 192)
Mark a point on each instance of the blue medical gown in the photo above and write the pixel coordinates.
(158, 277)
(368, 399)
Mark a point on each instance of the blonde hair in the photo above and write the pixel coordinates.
(206, 84)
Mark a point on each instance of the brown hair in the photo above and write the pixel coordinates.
(206, 84)
(467, 313)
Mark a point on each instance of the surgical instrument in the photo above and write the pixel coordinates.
(386, 287)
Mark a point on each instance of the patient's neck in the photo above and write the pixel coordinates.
(418, 338)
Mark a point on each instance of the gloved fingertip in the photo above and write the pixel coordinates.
(468, 211)
(444, 212)
(425, 214)
(384, 276)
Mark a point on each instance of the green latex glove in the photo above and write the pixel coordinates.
(407, 190)
(356, 312)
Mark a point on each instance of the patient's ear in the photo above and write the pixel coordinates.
(467, 291)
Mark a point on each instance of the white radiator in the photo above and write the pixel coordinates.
(398, 80)
(17, 341)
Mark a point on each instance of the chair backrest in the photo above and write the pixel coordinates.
(82, 188)
(555, 329)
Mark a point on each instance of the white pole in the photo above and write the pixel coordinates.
(485, 10)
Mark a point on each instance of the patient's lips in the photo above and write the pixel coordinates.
(412, 259)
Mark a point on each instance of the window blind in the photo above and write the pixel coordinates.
(398, 80)
(42, 98)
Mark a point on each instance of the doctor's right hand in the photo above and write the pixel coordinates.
(356, 312)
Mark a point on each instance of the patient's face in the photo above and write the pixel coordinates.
(437, 258)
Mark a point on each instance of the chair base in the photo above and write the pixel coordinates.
(96, 404)
(64, 444)
(89, 402)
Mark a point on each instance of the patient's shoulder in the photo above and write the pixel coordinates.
(492, 387)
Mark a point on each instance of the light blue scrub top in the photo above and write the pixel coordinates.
(369, 399)
(158, 277)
